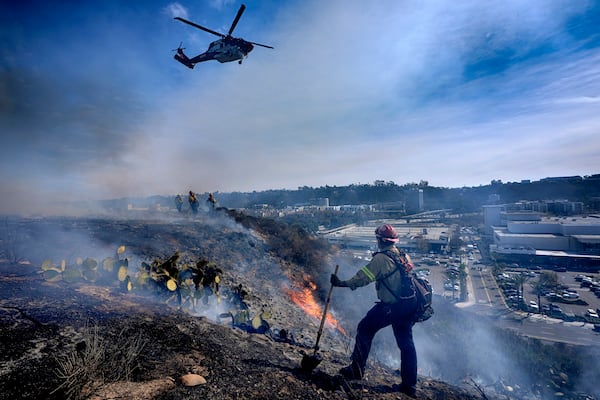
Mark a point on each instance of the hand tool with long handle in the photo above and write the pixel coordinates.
(310, 362)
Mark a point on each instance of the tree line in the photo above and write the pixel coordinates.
(466, 199)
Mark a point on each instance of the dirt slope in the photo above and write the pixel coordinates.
(131, 346)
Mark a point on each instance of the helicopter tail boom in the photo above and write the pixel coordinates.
(182, 58)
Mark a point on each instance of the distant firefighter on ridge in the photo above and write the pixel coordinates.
(194, 203)
(211, 202)
(179, 202)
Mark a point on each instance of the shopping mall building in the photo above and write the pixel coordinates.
(534, 239)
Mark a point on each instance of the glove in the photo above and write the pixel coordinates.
(335, 281)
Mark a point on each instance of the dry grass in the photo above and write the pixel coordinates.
(97, 360)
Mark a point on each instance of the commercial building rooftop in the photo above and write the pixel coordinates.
(410, 235)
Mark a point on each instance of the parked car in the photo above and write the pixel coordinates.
(557, 312)
(545, 308)
(569, 316)
(570, 295)
(533, 306)
(592, 314)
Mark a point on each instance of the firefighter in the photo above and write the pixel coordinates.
(209, 276)
(211, 202)
(179, 202)
(237, 297)
(396, 307)
(193, 200)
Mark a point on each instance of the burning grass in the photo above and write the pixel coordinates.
(304, 297)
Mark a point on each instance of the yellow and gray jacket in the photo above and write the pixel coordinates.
(380, 269)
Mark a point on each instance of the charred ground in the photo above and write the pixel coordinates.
(140, 346)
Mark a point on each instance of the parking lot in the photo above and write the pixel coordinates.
(573, 300)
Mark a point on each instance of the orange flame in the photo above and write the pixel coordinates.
(305, 299)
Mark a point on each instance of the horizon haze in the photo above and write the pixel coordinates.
(93, 106)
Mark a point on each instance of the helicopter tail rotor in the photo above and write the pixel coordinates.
(182, 58)
(179, 47)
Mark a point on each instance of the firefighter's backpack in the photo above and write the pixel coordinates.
(422, 289)
(424, 294)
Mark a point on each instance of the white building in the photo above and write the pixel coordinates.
(528, 237)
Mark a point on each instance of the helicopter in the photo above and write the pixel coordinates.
(226, 49)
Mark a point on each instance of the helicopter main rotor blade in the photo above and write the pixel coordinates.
(263, 45)
(199, 27)
(237, 18)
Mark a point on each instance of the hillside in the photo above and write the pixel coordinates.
(96, 339)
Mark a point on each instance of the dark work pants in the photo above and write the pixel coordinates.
(399, 316)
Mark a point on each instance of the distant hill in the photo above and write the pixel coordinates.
(465, 199)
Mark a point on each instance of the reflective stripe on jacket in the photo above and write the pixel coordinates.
(379, 267)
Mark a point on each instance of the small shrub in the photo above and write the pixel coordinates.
(97, 360)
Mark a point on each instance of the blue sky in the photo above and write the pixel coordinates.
(93, 106)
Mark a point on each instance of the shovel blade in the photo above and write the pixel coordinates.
(310, 362)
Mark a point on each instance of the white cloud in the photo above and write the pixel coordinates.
(220, 4)
(176, 10)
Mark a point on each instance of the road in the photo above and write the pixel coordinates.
(485, 298)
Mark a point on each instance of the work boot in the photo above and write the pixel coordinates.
(351, 372)
(410, 391)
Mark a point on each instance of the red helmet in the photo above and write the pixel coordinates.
(387, 233)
